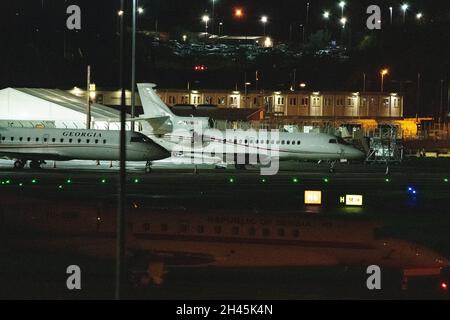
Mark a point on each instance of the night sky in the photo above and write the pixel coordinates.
(38, 51)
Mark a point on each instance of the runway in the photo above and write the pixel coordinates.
(422, 217)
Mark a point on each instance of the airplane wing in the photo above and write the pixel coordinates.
(158, 124)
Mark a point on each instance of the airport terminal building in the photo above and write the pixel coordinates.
(231, 109)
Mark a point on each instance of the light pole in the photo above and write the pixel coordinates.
(213, 19)
(383, 73)
(121, 205)
(246, 84)
(404, 7)
(205, 19)
(307, 19)
(264, 20)
(138, 10)
(390, 14)
(343, 22)
(303, 33)
(220, 28)
(326, 17)
(342, 5)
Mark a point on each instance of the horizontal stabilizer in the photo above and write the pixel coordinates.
(158, 124)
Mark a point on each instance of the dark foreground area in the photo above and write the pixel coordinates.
(413, 203)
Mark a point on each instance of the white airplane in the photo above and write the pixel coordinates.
(38, 145)
(160, 238)
(193, 137)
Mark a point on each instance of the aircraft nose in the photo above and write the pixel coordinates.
(353, 153)
(158, 152)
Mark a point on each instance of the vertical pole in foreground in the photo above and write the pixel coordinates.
(88, 98)
(133, 66)
(120, 223)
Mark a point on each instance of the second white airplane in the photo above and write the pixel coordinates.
(192, 137)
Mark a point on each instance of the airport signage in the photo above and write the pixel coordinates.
(352, 200)
(313, 197)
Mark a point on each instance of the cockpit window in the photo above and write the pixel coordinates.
(338, 140)
(141, 139)
(341, 141)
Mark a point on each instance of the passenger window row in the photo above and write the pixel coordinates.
(54, 140)
(234, 230)
(251, 142)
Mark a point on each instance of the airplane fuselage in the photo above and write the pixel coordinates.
(184, 238)
(69, 144)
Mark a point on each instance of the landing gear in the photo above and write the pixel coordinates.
(332, 163)
(34, 164)
(148, 167)
(19, 164)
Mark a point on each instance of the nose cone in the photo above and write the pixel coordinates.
(158, 152)
(354, 154)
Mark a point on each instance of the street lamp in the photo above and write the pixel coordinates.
(138, 10)
(326, 15)
(303, 33)
(220, 28)
(246, 84)
(264, 20)
(404, 7)
(238, 12)
(205, 19)
(383, 73)
(342, 5)
(419, 16)
(213, 15)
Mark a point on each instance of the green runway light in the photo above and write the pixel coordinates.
(68, 181)
(387, 180)
(263, 180)
(60, 186)
(34, 181)
(20, 184)
(445, 179)
(3, 182)
(231, 180)
(8, 181)
(326, 180)
(136, 180)
(103, 181)
(295, 180)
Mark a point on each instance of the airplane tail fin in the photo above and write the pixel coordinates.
(153, 105)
